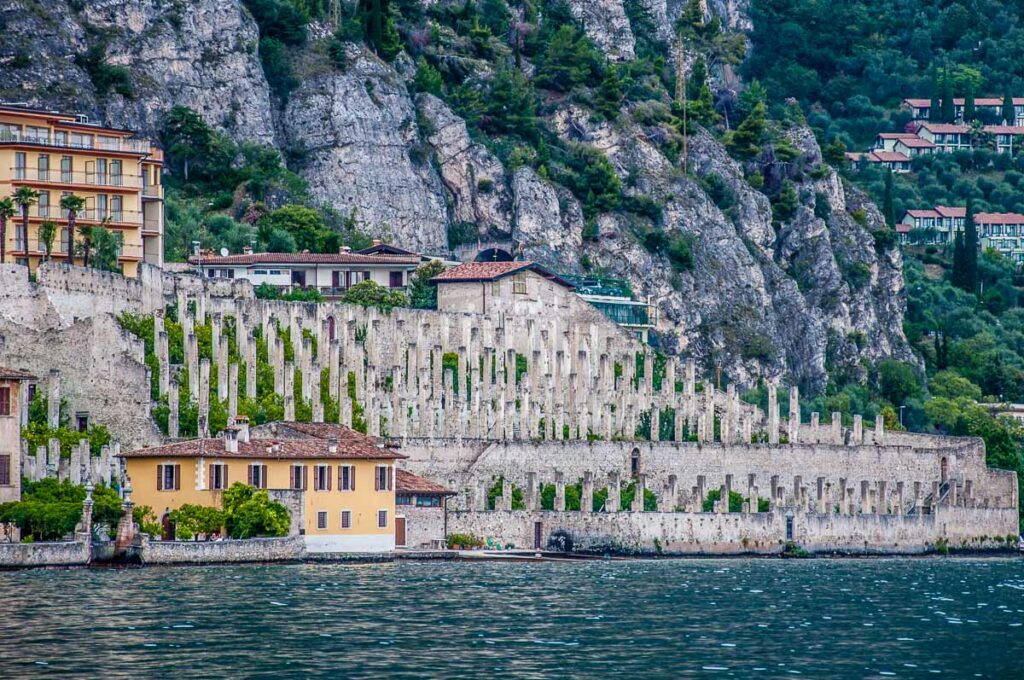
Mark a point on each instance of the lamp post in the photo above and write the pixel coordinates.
(901, 416)
(199, 258)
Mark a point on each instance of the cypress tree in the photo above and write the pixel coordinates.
(948, 108)
(1009, 111)
(888, 204)
(936, 103)
(970, 249)
(957, 279)
(969, 109)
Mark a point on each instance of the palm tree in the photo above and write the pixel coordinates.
(25, 197)
(72, 204)
(47, 231)
(6, 212)
(85, 231)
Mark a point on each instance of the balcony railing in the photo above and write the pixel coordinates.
(54, 212)
(140, 146)
(152, 191)
(17, 246)
(64, 177)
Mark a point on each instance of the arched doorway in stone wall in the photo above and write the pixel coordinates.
(168, 527)
(634, 463)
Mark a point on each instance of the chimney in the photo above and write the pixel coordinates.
(332, 445)
(242, 422)
(345, 250)
(275, 447)
(377, 242)
(247, 250)
(231, 439)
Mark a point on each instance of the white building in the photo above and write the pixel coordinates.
(330, 273)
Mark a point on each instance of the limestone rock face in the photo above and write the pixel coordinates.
(363, 152)
(606, 23)
(200, 54)
(474, 179)
(548, 221)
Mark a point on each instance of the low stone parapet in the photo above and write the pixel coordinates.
(227, 551)
(44, 554)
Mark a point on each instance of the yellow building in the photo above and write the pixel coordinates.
(344, 482)
(117, 174)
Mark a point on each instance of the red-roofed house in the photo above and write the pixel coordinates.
(518, 288)
(419, 511)
(1007, 137)
(920, 109)
(946, 136)
(1003, 232)
(330, 273)
(13, 401)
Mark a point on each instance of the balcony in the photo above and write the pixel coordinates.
(152, 191)
(132, 146)
(92, 179)
(18, 246)
(113, 217)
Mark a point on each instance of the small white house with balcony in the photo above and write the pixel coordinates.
(329, 273)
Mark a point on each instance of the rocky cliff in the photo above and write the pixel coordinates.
(793, 297)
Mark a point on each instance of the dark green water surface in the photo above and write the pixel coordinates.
(953, 618)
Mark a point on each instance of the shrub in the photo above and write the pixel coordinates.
(464, 540)
(250, 512)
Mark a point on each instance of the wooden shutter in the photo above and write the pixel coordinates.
(224, 479)
(159, 477)
(177, 477)
(291, 477)
(250, 475)
(328, 477)
(376, 478)
(305, 478)
(209, 482)
(391, 478)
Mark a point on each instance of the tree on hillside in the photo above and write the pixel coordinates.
(379, 28)
(934, 109)
(7, 211)
(888, 205)
(970, 112)
(372, 294)
(965, 254)
(303, 224)
(746, 140)
(948, 105)
(1009, 111)
(698, 94)
(186, 137)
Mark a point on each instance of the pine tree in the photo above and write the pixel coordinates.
(969, 109)
(745, 141)
(698, 94)
(609, 95)
(948, 107)
(888, 205)
(1009, 111)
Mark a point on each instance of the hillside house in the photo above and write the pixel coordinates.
(946, 136)
(991, 107)
(893, 160)
(1003, 232)
(13, 415)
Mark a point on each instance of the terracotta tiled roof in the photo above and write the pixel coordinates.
(947, 211)
(903, 228)
(346, 436)
(897, 135)
(490, 271)
(15, 374)
(1005, 129)
(946, 128)
(890, 156)
(306, 258)
(351, 444)
(918, 103)
(407, 482)
(923, 213)
(999, 218)
(915, 142)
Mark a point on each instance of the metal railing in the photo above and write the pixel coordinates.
(88, 214)
(18, 246)
(69, 177)
(140, 146)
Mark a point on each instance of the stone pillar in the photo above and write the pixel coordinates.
(722, 506)
(250, 368)
(75, 469)
(879, 430)
(288, 379)
(204, 398)
(87, 511)
(192, 356)
(612, 505)
(559, 492)
(883, 498)
(857, 436)
(773, 417)
(53, 399)
(638, 496)
(837, 428)
(794, 414)
(233, 389)
(172, 416)
(701, 492)
(222, 368)
(899, 498)
(815, 433)
(587, 492)
(532, 492)
(126, 526)
(163, 361)
(844, 503)
(820, 496)
(506, 495)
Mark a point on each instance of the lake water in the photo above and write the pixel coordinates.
(908, 618)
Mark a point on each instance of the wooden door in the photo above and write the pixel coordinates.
(400, 532)
(538, 534)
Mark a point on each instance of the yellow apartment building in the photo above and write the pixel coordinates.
(116, 173)
(345, 481)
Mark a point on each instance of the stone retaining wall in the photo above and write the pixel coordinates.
(214, 552)
(676, 533)
(48, 554)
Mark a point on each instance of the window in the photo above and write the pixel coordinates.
(519, 284)
(5, 401)
(275, 272)
(395, 279)
(260, 272)
(115, 173)
(5, 470)
(101, 170)
(428, 501)
(346, 478)
(321, 520)
(258, 475)
(382, 518)
(37, 134)
(116, 208)
(346, 519)
(60, 138)
(382, 480)
(82, 421)
(168, 477)
(403, 499)
(19, 165)
(43, 167)
(366, 276)
(43, 203)
(219, 476)
(66, 169)
(298, 477)
(101, 206)
(322, 478)
(20, 237)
